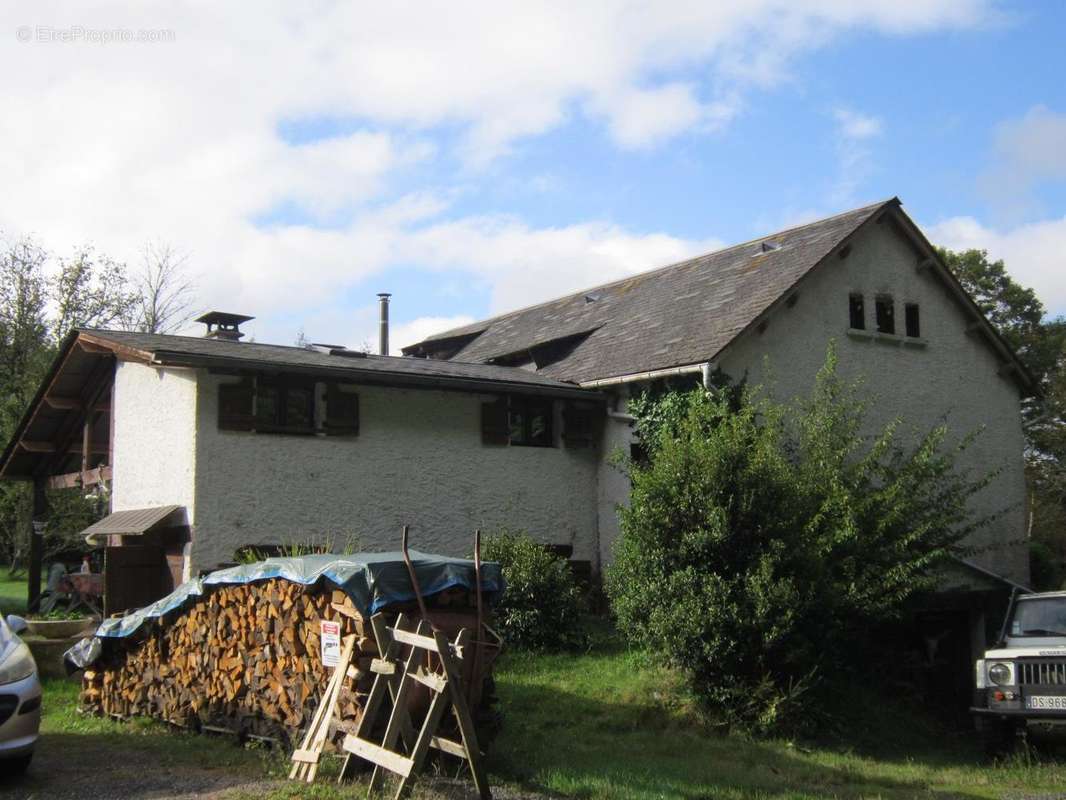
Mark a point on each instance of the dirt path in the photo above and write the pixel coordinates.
(106, 766)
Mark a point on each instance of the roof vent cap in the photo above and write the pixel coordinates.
(769, 246)
(222, 325)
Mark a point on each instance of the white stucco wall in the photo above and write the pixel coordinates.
(954, 377)
(154, 437)
(418, 460)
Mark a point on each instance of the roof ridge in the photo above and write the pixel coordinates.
(488, 321)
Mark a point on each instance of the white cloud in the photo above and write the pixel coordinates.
(400, 336)
(124, 142)
(524, 265)
(855, 153)
(1033, 253)
(1028, 152)
(856, 127)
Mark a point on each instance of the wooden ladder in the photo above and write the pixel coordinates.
(306, 757)
(395, 677)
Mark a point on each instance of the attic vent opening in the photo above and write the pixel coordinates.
(769, 246)
(592, 297)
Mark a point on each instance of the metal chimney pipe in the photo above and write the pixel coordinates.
(383, 324)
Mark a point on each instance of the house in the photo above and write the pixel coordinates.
(213, 444)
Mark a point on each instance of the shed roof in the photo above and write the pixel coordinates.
(131, 522)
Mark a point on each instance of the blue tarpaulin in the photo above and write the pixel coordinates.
(372, 580)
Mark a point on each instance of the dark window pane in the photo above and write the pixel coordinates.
(299, 408)
(886, 317)
(267, 406)
(857, 312)
(914, 328)
(517, 424)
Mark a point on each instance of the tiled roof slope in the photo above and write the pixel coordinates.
(676, 315)
(167, 349)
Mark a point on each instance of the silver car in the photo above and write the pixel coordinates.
(20, 698)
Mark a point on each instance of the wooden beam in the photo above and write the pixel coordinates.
(99, 382)
(62, 403)
(72, 404)
(40, 508)
(92, 347)
(71, 480)
(37, 447)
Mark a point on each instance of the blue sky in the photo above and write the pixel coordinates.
(472, 158)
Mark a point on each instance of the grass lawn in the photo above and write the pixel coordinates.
(12, 593)
(610, 725)
(605, 724)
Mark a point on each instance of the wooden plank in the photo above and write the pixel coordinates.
(416, 640)
(378, 755)
(462, 712)
(399, 704)
(449, 747)
(70, 480)
(306, 756)
(382, 667)
(429, 679)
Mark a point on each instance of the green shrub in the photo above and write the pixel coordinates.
(541, 606)
(762, 542)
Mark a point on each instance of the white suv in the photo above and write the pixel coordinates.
(1022, 681)
(20, 698)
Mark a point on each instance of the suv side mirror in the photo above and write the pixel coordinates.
(16, 623)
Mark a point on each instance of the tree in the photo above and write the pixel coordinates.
(763, 542)
(163, 289)
(41, 298)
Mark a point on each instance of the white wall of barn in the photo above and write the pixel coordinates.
(418, 460)
(951, 376)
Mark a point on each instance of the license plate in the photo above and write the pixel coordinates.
(1046, 702)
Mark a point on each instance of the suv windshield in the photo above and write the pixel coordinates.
(1039, 617)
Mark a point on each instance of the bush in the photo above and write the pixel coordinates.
(762, 542)
(541, 606)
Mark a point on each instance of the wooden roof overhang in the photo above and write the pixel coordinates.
(64, 437)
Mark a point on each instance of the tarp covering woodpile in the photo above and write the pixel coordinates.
(241, 649)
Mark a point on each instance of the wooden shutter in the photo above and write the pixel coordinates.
(495, 424)
(342, 412)
(235, 406)
(579, 425)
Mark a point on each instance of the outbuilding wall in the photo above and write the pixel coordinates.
(418, 460)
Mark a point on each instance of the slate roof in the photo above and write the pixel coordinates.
(677, 315)
(389, 370)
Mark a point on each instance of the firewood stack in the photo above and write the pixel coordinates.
(247, 659)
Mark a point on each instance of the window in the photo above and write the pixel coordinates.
(530, 422)
(913, 321)
(519, 421)
(856, 312)
(886, 315)
(285, 404)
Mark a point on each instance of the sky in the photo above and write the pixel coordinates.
(473, 158)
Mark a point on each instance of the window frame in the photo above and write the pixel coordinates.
(525, 405)
(912, 331)
(856, 311)
(888, 304)
(240, 406)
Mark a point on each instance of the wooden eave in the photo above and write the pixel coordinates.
(52, 437)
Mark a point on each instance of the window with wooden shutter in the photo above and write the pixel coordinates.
(579, 425)
(235, 406)
(495, 422)
(342, 412)
(284, 405)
